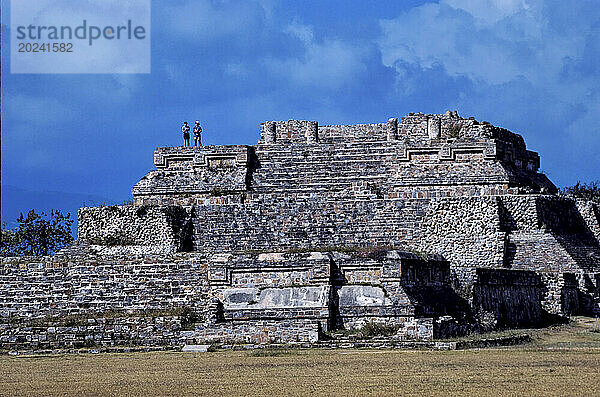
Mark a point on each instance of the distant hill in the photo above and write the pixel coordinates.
(15, 200)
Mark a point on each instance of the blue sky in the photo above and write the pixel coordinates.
(530, 66)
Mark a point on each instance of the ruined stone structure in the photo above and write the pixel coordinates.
(432, 224)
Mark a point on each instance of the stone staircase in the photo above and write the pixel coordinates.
(310, 169)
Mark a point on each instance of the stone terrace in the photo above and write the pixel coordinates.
(431, 225)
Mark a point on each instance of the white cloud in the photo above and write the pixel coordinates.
(302, 32)
(584, 133)
(207, 22)
(289, 51)
(491, 11)
(327, 64)
(493, 41)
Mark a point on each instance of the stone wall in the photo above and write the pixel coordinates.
(257, 332)
(550, 233)
(272, 297)
(590, 212)
(558, 214)
(465, 230)
(514, 298)
(561, 294)
(249, 298)
(163, 227)
(93, 332)
(527, 298)
(100, 333)
(458, 228)
(207, 171)
(89, 284)
(519, 232)
(353, 133)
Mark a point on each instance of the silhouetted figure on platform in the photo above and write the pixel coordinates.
(197, 134)
(185, 128)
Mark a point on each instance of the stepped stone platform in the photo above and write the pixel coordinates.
(430, 226)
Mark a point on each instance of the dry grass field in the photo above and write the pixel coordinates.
(564, 361)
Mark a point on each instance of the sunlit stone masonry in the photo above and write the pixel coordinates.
(427, 226)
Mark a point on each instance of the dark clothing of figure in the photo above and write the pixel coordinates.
(186, 134)
(197, 135)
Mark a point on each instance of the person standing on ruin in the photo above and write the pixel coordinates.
(197, 134)
(185, 128)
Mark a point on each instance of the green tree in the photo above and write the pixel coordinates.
(589, 191)
(37, 234)
(9, 242)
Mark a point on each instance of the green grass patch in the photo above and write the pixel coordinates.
(273, 352)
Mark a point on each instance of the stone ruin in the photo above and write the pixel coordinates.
(433, 225)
